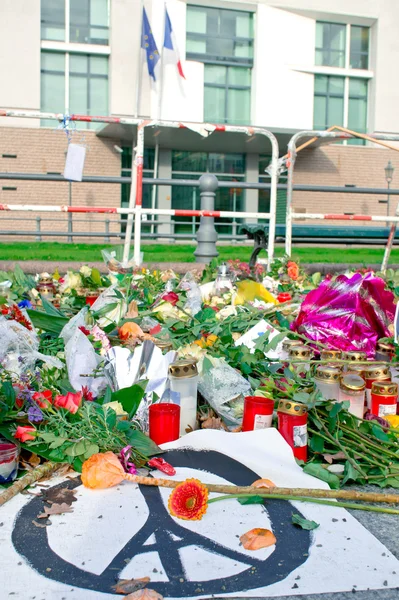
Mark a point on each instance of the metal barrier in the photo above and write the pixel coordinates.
(135, 200)
(290, 158)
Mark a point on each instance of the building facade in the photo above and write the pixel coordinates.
(286, 66)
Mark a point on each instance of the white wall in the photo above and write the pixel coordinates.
(283, 96)
(20, 58)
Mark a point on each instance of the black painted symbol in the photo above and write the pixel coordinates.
(162, 534)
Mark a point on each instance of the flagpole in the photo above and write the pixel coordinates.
(139, 64)
(159, 115)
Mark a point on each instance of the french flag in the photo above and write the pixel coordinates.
(171, 50)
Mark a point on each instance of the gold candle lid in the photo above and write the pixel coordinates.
(330, 354)
(183, 368)
(328, 374)
(376, 371)
(384, 388)
(292, 408)
(300, 352)
(355, 355)
(385, 347)
(352, 383)
(163, 344)
(288, 344)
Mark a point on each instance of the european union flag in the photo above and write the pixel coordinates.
(149, 45)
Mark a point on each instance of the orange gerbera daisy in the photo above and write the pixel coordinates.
(189, 500)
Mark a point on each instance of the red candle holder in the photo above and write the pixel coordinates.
(91, 297)
(384, 398)
(292, 424)
(164, 422)
(258, 413)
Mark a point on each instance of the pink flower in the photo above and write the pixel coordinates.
(43, 399)
(171, 297)
(25, 433)
(71, 402)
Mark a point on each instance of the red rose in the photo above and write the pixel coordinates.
(171, 297)
(43, 399)
(25, 433)
(71, 402)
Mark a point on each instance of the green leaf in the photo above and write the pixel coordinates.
(251, 500)
(304, 523)
(350, 473)
(123, 425)
(65, 386)
(9, 393)
(335, 409)
(205, 315)
(142, 443)
(90, 450)
(130, 398)
(110, 417)
(58, 442)
(105, 309)
(49, 308)
(108, 395)
(95, 276)
(379, 433)
(47, 437)
(316, 443)
(390, 482)
(316, 278)
(317, 470)
(302, 397)
(51, 323)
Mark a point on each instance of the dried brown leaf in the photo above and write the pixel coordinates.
(331, 457)
(127, 586)
(257, 538)
(144, 595)
(60, 496)
(55, 509)
(39, 524)
(133, 310)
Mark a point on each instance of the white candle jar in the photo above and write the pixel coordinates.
(300, 356)
(183, 377)
(327, 381)
(352, 389)
(286, 347)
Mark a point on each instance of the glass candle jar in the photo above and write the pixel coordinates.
(292, 424)
(183, 376)
(384, 398)
(258, 413)
(164, 419)
(287, 345)
(374, 372)
(331, 355)
(327, 381)
(351, 389)
(164, 345)
(223, 283)
(384, 351)
(356, 369)
(301, 355)
(354, 356)
(9, 454)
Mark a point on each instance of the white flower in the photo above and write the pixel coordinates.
(85, 270)
(72, 281)
(227, 311)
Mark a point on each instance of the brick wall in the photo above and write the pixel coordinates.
(340, 165)
(43, 151)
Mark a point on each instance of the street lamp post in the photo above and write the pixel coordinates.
(389, 169)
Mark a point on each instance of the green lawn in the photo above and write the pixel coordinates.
(183, 253)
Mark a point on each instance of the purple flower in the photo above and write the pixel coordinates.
(35, 415)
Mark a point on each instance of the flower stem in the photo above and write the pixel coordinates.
(391, 511)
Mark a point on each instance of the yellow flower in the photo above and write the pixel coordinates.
(393, 420)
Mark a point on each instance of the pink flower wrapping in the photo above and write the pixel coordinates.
(347, 313)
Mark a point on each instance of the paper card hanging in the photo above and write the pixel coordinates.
(75, 161)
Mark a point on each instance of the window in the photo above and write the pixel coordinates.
(341, 99)
(53, 20)
(219, 34)
(87, 84)
(227, 94)
(328, 101)
(331, 42)
(223, 40)
(191, 165)
(88, 21)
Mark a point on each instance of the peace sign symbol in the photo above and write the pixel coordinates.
(162, 534)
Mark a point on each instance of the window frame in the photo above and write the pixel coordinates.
(228, 86)
(329, 95)
(329, 50)
(68, 25)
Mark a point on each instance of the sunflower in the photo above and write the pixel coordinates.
(189, 500)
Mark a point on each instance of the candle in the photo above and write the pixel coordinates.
(183, 377)
(91, 297)
(258, 413)
(327, 381)
(351, 389)
(287, 345)
(331, 355)
(301, 353)
(164, 422)
(384, 398)
(384, 351)
(374, 372)
(9, 453)
(292, 424)
(354, 356)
